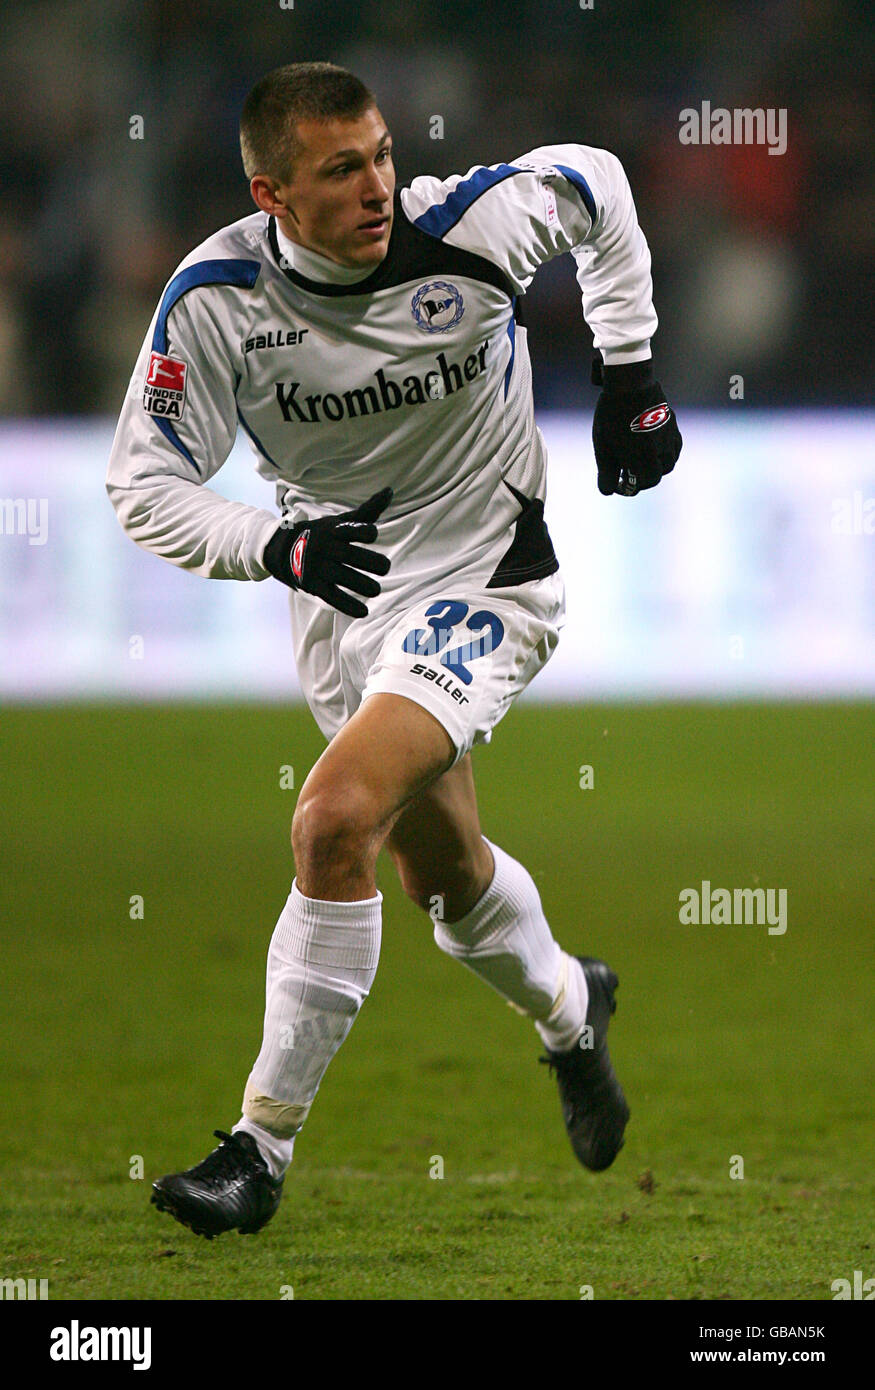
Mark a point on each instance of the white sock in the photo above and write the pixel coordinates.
(505, 939)
(276, 1152)
(320, 967)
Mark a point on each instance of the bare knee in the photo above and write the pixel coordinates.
(331, 819)
(335, 838)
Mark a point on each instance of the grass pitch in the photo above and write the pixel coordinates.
(128, 1039)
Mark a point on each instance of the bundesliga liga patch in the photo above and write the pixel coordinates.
(164, 388)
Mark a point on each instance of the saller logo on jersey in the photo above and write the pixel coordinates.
(164, 388)
(651, 419)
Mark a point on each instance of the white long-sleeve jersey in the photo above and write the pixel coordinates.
(415, 376)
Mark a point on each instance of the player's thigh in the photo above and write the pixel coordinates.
(436, 842)
(383, 757)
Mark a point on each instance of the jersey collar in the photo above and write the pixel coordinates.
(346, 281)
(316, 268)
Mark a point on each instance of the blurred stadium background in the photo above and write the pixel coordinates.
(751, 572)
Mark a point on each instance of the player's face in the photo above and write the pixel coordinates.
(339, 200)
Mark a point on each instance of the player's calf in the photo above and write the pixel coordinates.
(443, 863)
(448, 891)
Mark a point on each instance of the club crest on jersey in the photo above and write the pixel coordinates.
(651, 419)
(437, 306)
(164, 387)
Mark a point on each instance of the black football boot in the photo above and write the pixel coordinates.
(232, 1189)
(593, 1105)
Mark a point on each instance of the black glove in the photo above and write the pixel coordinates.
(317, 556)
(634, 431)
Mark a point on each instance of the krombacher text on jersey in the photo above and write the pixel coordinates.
(386, 395)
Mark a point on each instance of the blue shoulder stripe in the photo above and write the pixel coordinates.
(227, 272)
(241, 273)
(579, 182)
(443, 216)
(440, 219)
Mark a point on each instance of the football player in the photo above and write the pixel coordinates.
(371, 342)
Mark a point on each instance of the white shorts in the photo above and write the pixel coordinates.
(463, 653)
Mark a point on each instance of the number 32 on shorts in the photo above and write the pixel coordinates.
(443, 617)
